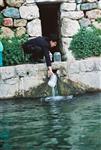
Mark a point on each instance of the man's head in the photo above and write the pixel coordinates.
(53, 40)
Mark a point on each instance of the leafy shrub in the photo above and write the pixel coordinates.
(86, 43)
(98, 20)
(13, 53)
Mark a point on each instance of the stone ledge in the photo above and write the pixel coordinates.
(24, 80)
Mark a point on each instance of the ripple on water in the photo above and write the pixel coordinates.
(53, 125)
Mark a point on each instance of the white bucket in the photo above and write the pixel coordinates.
(52, 81)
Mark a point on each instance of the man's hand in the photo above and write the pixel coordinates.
(50, 72)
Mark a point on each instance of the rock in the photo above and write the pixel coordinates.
(90, 79)
(78, 7)
(74, 67)
(72, 14)
(10, 90)
(69, 27)
(84, 22)
(11, 12)
(99, 4)
(97, 64)
(30, 1)
(97, 25)
(36, 31)
(14, 3)
(69, 87)
(65, 44)
(8, 22)
(86, 73)
(90, 1)
(67, 6)
(20, 31)
(88, 6)
(69, 1)
(2, 3)
(87, 66)
(20, 22)
(6, 32)
(29, 12)
(75, 77)
(79, 1)
(93, 14)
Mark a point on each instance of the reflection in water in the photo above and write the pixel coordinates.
(60, 125)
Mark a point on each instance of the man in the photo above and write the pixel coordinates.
(40, 47)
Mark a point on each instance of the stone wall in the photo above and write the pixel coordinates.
(23, 16)
(30, 80)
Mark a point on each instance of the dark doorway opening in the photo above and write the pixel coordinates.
(49, 16)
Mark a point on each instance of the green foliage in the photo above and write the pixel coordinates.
(86, 43)
(98, 20)
(13, 53)
(1, 19)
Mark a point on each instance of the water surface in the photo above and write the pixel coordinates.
(54, 125)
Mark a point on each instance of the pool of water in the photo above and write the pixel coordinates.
(53, 125)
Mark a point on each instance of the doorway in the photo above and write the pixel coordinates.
(49, 15)
(50, 21)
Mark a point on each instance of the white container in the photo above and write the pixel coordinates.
(52, 81)
(57, 56)
(50, 54)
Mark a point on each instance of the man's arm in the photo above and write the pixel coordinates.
(48, 60)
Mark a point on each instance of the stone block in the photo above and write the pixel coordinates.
(87, 66)
(8, 91)
(69, 27)
(97, 64)
(97, 25)
(11, 12)
(79, 1)
(30, 1)
(7, 73)
(73, 67)
(29, 12)
(6, 32)
(91, 1)
(88, 6)
(84, 22)
(20, 31)
(20, 22)
(14, 3)
(65, 44)
(67, 6)
(91, 79)
(75, 15)
(99, 4)
(2, 3)
(8, 22)
(93, 14)
(36, 31)
(78, 7)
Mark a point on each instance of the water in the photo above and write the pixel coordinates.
(55, 125)
(53, 91)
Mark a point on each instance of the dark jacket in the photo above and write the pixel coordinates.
(39, 45)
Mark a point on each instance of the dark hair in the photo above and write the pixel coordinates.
(53, 37)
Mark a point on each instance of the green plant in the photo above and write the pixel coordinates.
(98, 20)
(13, 53)
(86, 43)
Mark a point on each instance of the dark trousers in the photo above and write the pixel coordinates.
(35, 51)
